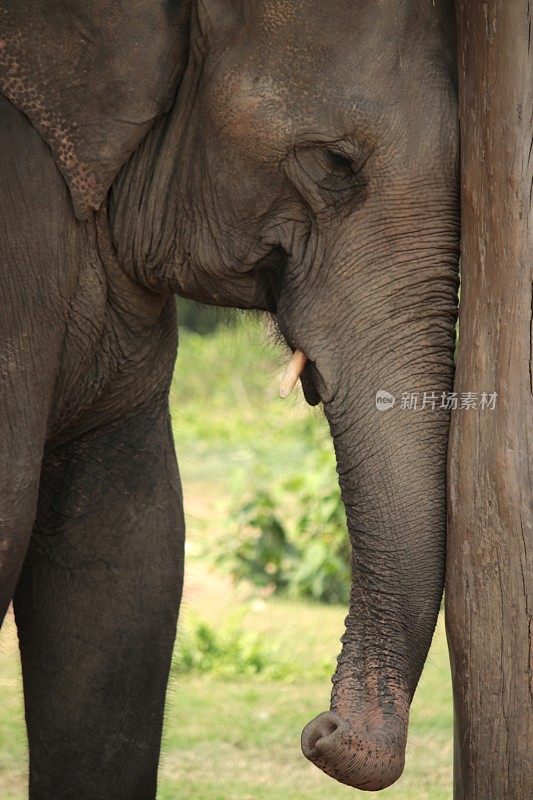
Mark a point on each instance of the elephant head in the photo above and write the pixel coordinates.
(307, 166)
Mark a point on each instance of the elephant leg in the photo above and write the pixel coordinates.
(96, 609)
(38, 275)
(19, 481)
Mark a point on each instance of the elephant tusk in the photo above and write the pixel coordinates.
(292, 373)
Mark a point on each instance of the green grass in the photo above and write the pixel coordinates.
(238, 739)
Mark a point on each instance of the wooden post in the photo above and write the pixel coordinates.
(489, 588)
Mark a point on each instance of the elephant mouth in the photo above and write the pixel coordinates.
(308, 379)
(272, 267)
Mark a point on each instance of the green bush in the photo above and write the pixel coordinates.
(261, 550)
(231, 652)
(292, 538)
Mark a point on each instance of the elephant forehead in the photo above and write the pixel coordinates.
(337, 51)
(298, 70)
(285, 68)
(264, 110)
(346, 32)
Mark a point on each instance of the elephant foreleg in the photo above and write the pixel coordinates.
(38, 248)
(96, 609)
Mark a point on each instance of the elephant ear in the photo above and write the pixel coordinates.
(92, 76)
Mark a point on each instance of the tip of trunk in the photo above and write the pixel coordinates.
(366, 758)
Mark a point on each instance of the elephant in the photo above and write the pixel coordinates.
(291, 157)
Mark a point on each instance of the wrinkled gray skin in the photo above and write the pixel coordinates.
(298, 157)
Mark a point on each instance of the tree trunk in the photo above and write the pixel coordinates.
(489, 589)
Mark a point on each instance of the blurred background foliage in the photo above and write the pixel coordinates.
(267, 578)
(285, 529)
(292, 537)
(199, 318)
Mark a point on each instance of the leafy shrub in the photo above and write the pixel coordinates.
(292, 538)
(231, 652)
(228, 652)
(262, 550)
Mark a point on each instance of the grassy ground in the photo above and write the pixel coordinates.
(239, 739)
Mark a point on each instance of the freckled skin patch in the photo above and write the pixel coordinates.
(279, 13)
(23, 90)
(91, 79)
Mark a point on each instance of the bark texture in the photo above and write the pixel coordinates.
(490, 544)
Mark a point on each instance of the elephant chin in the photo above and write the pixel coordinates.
(367, 757)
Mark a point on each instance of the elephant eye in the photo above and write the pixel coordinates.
(337, 174)
(339, 164)
(341, 173)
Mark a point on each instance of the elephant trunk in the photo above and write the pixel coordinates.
(393, 490)
(391, 464)
(379, 333)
